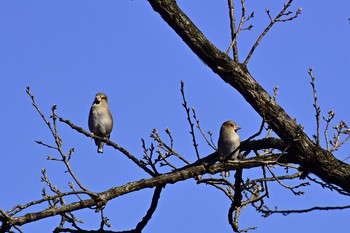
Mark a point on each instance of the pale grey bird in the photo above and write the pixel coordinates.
(100, 119)
(228, 143)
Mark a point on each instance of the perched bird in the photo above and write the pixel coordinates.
(100, 119)
(228, 143)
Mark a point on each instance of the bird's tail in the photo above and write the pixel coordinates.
(99, 145)
(225, 174)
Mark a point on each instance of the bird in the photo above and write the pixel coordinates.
(228, 143)
(100, 119)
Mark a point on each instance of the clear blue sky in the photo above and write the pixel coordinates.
(67, 51)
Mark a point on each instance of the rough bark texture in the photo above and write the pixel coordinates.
(312, 158)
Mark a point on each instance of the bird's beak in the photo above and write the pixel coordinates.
(97, 99)
(237, 127)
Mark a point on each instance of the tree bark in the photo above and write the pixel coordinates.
(161, 180)
(311, 157)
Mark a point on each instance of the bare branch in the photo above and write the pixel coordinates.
(209, 142)
(169, 178)
(291, 188)
(329, 186)
(58, 140)
(267, 212)
(110, 143)
(341, 129)
(331, 115)
(184, 104)
(316, 107)
(148, 156)
(169, 150)
(141, 225)
(234, 31)
(272, 22)
(233, 45)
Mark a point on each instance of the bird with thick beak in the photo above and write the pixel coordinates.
(228, 143)
(100, 119)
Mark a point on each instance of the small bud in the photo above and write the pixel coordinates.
(167, 130)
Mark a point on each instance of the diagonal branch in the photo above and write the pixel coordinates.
(307, 154)
(161, 180)
(272, 22)
(151, 210)
(109, 142)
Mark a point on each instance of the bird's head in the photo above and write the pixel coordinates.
(100, 97)
(231, 125)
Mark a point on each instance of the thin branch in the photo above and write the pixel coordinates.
(58, 140)
(316, 107)
(272, 22)
(270, 179)
(209, 142)
(341, 129)
(234, 31)
(38, 110)
(184, 104)
(148, 156)
(110, 143)
(267, 212)
(291, 188)
(331, 115)
(233, 45)
(219, 184)
(329, 186)
(168, 149)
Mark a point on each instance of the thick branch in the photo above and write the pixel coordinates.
(314, 159)
(169, 178)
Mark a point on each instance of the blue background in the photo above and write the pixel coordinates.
(67, 51)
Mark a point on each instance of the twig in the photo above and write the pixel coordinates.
(217, 183)
(164, 160)
(168, 149)
(58, 140)
(331, 115)
(317, 108)
(267, 212)
(341, 128)
(234, 31)
(184, 104)
(329, 186)
(258, 133)
(272, 22)
(148, 156)
(291, 188)
(209, 142)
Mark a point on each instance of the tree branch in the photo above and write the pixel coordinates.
(161, 180)
(307, 154)
(109, 142)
